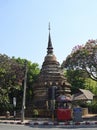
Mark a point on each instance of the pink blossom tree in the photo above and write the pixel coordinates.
(83, 57)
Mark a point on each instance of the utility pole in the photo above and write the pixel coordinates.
(24, 94)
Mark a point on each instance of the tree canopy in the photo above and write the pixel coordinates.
(77, 79)
(83, 57)
(12, 71)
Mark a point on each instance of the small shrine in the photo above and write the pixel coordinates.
(51, 76)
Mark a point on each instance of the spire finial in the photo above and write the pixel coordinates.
(49, 28)
(50, 47)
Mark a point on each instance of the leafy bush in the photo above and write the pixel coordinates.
(92, 107)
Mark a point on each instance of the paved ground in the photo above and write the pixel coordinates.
(41, 127)
(88, 120)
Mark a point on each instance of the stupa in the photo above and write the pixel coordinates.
(51, 74)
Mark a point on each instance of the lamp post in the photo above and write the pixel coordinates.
(24, 95)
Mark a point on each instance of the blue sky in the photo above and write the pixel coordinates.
(24, 27)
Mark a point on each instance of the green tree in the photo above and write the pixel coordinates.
(12, 72)
(91, 85)
(32, 74)
(33, 71)
(77, 79)
(11, 75)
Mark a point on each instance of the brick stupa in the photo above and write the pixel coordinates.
(51, 74)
